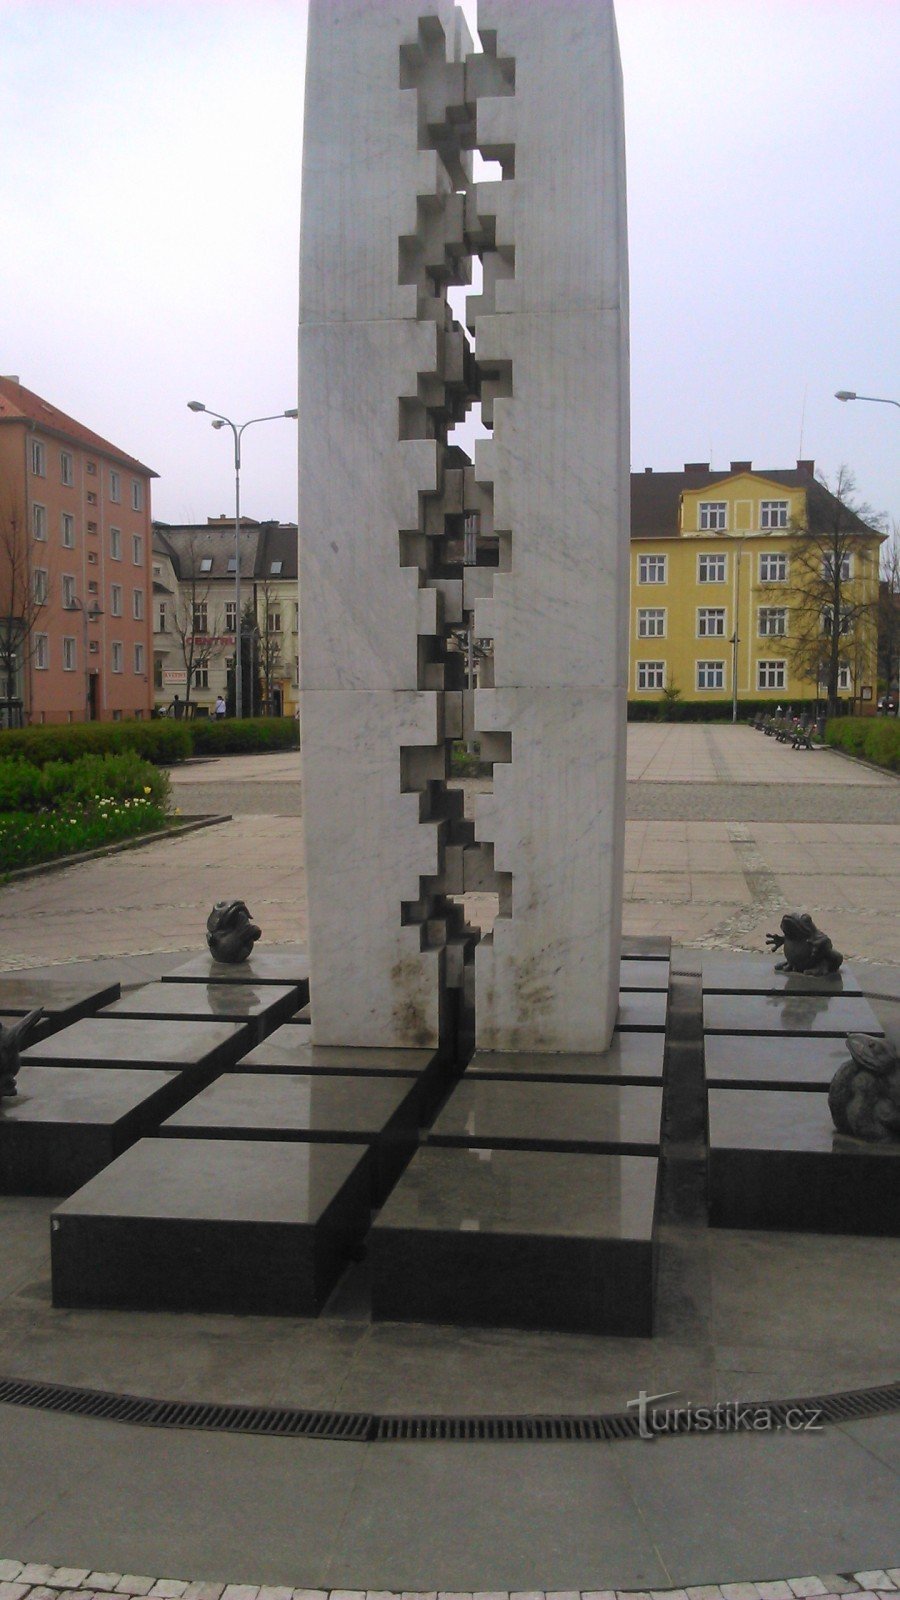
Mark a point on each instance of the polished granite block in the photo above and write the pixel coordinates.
(740, 974)
(289, 1050)
(263, 966)
(646, 947)
(519, 1238)
(776, 1161)
(535, 1115)
(62, 1001)
(635, 974)
(380, 1112)
(753, 1061)
(200, 1050)
(631, 1057)
(789, 1013)
(64, 1127)
(213, 1225)
(304, 1015)
(264, 1007)
(642, 1009)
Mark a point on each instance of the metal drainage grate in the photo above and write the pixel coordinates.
(360, 1427)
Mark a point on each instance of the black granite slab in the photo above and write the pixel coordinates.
(754, 1061)
(513, 1238)
(645, 1009)
(632, 1057)
(646, 947)
(637, 974)
(213, 1225)
(200, 1050)
(264, 1007)
(537, 1115)
(747, 974)
(64, 1127)
(264, 966)
(63, 1001)
(776, 1161)
(789, 1013)
(380, 1112)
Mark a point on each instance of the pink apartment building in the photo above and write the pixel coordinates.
(76, 587)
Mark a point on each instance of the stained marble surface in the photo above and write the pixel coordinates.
(789, 1013)
(571, 1115)
(748, 974)
(745, 1061)
(142, 1042)
(263, 966)
(637, 1055)
(249, 1105)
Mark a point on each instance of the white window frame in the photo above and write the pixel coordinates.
(162, 617)
(38, 459)
(273, 621)
(777, 559)
(39, 521)
(704, 669)
(650, 676)
(764, 617)
(206, 564)
(137, 495)
(230, 614)
(771, 673)
(115, 544)
(68, 591)
(115, 487)
(715, 615)
(713, 516)
(42, 651)
(40, 579)
(201, 676)
(705, 562)
(651, 622)
(66, 468)
(846, 568)
(67, 530)
(845, 681)
(139, 660)
(137, 549)
(773, 513)
(200, 618)
(115, 599)
(137, 605)
(70, 658)
(652, 564)
(117, 655)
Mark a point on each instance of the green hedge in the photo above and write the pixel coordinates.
(712, 710)
(229, 736)
(80, 784)
(162, 742)
(875, 739)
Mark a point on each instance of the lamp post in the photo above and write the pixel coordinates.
(237, 429)
(878, 400)
(90, 613)
(734, 641)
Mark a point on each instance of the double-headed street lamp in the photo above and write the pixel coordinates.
(219, 421)
(878, 400)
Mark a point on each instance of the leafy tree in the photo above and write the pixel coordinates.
(889, 612)
(251, 692)
(195, 624)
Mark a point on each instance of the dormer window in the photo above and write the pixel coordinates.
(276, 568)
(206, 564)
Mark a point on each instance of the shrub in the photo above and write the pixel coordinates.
(875, 739)
(82, 784)
(162, 742)
(233, 736)
(28, 839)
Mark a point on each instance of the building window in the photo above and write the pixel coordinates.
(276, 568)
(137, 605)
(41, 582)
(711, 569)
(91, 469)
(137, 549)
(651, 622)
(770, 674)
(710, 674)
(115, 600)
(115, 487)
(201, 677)
(91, 497)
(118, 653)
(115, 543)
(39, 521)
(828, 621)
(38, 459)
(68, 530)
(845, 565)
(139, 659)
(162, 618)
(273, 621)
(651, 569)
(68, 655)
(772, 620)
(232, 563)
(844, 678)
(712, 515)
(651, 674)
(66, 468)
(711, 622)
(773, 568)
(206, 564)
(200, 618)
(229, 616)
(773, 514)
(42, 651)
(157, 672)
(137, 495)
(68, 591)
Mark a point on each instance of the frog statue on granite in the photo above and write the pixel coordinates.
(806, 948)
(230, 931)
(12, 1040)
(864, 1098)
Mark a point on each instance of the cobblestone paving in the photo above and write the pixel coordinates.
(31, 1581)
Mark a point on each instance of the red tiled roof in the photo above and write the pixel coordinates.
(18, 404)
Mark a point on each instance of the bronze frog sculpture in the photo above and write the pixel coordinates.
(864, 1097)
(230, 931)
(12, 1040)
(806, 948)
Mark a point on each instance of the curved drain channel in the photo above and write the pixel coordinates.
(368, 1427)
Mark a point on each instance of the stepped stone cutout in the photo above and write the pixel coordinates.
(405, 542)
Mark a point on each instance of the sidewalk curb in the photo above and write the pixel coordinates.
(189, 825)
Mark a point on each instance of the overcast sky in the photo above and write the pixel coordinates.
(149, 215)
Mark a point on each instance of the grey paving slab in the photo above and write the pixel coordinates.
(531, 1113)
(789, 1014)
(746, 1061)
(199, 1048)
(637, 1057)
(747, 974)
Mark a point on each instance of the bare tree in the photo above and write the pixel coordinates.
(195, 625)
(22, 601)
(833, 581)
(269, 613)
(889, 613)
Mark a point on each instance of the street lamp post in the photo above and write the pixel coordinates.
(878, 400)
(237, 429)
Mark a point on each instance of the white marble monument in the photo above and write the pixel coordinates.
(397, 100)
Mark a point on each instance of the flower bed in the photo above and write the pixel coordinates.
(28, 838)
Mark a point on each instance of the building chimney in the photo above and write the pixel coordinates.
(648, 469)
(808, 468)
(742, 466)
(12, 377)
(694, 468)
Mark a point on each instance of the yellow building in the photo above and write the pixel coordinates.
(729, 577)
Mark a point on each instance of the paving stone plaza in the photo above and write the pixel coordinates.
(93, 1506)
